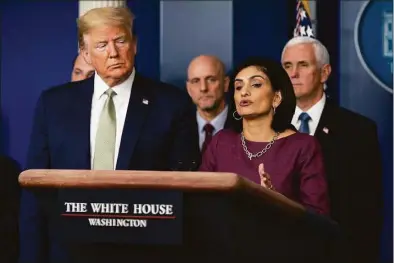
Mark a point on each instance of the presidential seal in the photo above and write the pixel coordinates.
(373, 40)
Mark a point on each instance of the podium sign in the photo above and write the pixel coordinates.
(194, 217)
(127, 216)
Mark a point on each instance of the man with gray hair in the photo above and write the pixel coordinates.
(207, 85)
(116, 119)
(350, 146)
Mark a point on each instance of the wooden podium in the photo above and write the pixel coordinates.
(151, 216)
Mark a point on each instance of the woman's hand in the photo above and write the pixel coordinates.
(265, 179)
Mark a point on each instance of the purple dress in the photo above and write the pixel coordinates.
(294, 163)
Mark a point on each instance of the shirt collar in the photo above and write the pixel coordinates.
(121, 89)
(218, 122)
(315, 111)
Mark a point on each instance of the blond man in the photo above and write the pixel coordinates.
(117, 119)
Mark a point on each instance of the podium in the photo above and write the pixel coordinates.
(151, 216)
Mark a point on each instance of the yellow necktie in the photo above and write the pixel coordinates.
(106, 135)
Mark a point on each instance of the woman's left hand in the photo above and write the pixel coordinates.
(265, 179)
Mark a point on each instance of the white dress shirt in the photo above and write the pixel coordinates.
(121, 102)
(314, 112)
(218, 123)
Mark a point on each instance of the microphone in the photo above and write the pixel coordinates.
(185, 166)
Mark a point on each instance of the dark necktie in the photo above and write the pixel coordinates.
(208, 128)
(304, 118)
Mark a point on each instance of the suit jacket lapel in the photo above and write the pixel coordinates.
(194, 127)
(139, 104)
(229, 120)
(81, 123)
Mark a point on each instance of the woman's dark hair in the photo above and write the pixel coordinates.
(280, 81)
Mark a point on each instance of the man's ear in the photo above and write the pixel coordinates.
(226, 83)
(325, 73)
(83, 49)
(188, 88)
(135, 44)
(86, 55)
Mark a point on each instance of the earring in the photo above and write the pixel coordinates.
(235, 112)
(274, 109)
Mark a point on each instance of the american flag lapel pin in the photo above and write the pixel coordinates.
(145, 101)
(325, 130)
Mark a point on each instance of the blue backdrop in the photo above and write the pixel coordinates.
(366, 84)
(38, 43)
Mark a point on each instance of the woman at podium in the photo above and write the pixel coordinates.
(268, 150)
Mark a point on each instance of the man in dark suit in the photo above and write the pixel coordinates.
(350, 145)
(116, 119)
(9, 209)
(207, 85)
